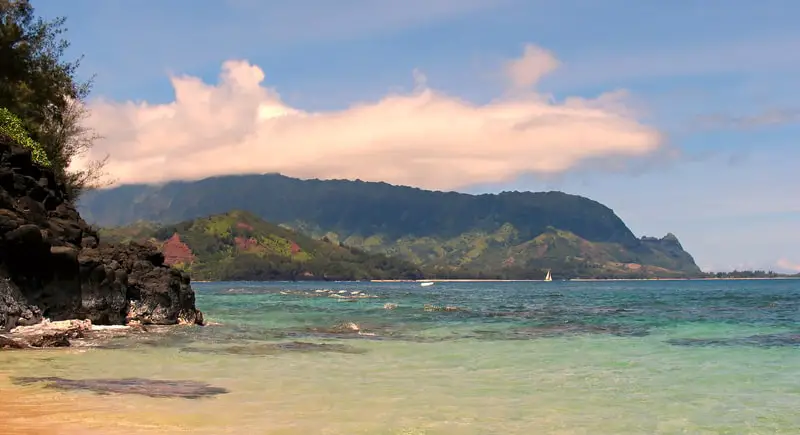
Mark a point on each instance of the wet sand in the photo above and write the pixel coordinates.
(37, 411)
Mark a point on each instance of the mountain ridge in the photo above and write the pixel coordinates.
(154, 208)
(447, 230)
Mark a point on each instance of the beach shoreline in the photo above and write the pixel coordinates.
(585, 279)
(445, 280)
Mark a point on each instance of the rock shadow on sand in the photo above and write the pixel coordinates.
(139, 386)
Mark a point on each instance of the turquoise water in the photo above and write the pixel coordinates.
(628, 357)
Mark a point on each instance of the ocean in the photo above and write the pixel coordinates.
(623, 357)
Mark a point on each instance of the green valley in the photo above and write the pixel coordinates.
(240, 246)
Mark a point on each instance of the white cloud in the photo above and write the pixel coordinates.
(423, 138)
(534, 64)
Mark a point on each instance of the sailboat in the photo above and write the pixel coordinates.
(548, 277)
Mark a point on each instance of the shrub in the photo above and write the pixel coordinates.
(11, 126)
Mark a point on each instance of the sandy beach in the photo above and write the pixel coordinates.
(35, 411)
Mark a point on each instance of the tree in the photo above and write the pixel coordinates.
(41, 88)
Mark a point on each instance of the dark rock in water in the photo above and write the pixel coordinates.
(575, 329)
(144, 387)
(276, 348)
(343, 331)
(7, 342)
(132, 282)
(446, 308)
(14, 307)
(299, 346)
(760, 340)
(53, 266)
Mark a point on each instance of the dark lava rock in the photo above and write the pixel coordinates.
(53, 266)
(131, 283)
(144, 387)
(276, 348)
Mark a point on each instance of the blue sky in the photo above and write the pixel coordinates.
(717, 79)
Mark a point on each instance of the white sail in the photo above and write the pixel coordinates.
(548, 277)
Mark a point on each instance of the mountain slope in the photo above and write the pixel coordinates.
(240, 246)
(513, 234)
(357, 208)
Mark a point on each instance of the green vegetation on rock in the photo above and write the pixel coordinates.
(11, 126)
(240, 246)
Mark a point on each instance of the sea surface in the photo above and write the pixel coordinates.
(627, 357)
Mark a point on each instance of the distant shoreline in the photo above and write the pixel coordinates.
(585, 279)
(533, 280)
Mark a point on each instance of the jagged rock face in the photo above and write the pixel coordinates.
(52, 265)
(132, 283)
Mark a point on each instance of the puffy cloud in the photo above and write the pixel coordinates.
(423, 138)
(534, 64)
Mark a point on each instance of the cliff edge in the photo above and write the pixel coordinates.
(53, 266)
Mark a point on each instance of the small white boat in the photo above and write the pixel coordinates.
(426, 284)
(548, 277)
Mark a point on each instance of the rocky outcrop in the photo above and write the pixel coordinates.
(53, 266)
(45, 334)
(131, 283)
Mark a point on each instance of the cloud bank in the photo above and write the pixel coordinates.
(423, 138)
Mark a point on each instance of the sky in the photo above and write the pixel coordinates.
(682, 116)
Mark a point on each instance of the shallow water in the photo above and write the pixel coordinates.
(673, 357)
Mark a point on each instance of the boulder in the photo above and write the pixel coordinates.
(45, 334)
(52, 264)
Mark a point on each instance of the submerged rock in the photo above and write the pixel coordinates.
(546, 331)
(759, 340)
(145, 387)
(447, 308)
(345, 327)
(265, 349)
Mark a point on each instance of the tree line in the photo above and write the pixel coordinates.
(42, 100)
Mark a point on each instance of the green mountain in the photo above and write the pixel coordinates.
(240, 246)
(508, 235)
